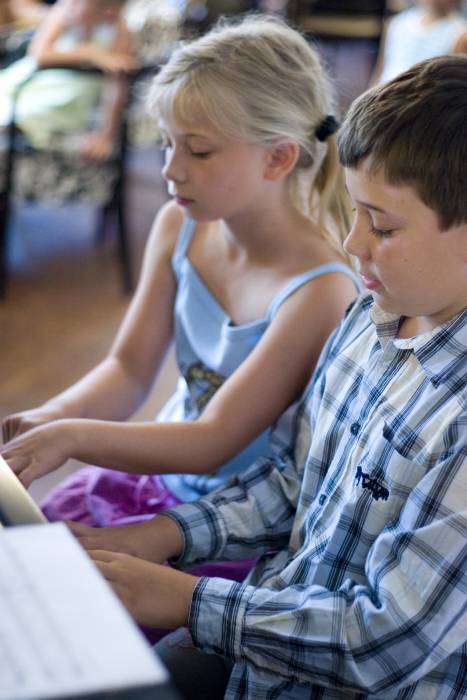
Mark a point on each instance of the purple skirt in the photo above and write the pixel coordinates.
(103, 497)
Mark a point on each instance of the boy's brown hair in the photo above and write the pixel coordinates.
(415, 128)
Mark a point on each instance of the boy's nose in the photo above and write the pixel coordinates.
(357, 241)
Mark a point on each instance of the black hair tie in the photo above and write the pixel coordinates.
(327, 127)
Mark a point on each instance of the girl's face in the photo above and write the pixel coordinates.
(210, 176)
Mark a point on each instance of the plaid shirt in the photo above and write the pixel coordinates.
(360, 591)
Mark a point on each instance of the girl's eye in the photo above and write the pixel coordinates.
(201, 154)
(381, 233)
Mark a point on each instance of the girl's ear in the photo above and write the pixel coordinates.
(281, 159)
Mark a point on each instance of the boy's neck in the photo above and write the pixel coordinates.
(409, 328)
(412, 326)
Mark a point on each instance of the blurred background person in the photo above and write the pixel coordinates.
(347, 35)
(58, 102)
(429, 28)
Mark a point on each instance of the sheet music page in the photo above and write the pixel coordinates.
(63, 632)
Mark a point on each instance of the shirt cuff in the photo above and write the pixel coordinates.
(217, 615)
(203, 531)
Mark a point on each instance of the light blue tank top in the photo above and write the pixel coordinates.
(209, 348)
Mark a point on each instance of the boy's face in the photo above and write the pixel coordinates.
(411, 267)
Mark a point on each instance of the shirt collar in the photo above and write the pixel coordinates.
(441, 352)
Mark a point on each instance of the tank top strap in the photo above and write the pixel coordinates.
(306, 277)
(183, 243)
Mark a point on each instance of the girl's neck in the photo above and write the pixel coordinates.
(265, 231)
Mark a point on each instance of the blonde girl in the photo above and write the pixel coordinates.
(243, 270)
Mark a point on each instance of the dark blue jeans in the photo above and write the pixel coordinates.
(195, 674)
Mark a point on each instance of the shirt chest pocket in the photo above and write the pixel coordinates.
(385, 476)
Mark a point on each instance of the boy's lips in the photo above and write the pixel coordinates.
(370, 282)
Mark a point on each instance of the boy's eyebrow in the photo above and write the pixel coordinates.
(371, 206)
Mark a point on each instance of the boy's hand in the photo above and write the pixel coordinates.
(154, 540)
(39, 451)
(156, 596)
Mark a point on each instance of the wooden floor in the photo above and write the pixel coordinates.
(64, 300)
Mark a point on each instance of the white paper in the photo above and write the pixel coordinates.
(63, 632)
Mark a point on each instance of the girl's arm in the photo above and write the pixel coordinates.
(99, 143)
(117, 386)
(271, 378)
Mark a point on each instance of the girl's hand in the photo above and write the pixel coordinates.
(39, 451)
(19, 423)
(155, 540)
(156, 596)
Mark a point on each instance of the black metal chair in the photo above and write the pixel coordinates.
(60, 174)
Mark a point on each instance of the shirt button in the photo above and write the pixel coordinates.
(322, 499)
(355, 428)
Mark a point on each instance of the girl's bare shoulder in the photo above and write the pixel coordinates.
(166, 228)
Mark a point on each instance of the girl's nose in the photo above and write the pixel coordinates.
(357, 242)
(172, 170)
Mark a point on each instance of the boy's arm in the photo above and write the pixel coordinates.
(378, 637)
(250, 517)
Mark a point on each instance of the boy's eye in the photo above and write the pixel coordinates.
(381, 233)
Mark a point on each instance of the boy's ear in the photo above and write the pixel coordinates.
(281, 159)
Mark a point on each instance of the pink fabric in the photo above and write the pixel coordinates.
(102, 497)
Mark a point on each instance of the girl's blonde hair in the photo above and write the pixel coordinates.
(257, 80)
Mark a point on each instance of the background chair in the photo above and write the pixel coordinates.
(58, 175)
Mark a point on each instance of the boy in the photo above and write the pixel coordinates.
(361, 520)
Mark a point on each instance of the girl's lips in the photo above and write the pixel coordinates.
(370, 282)
(182, 201)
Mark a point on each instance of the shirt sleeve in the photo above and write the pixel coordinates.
(407, 619)
(251, 515)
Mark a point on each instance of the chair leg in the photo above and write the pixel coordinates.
(101, 229)
(4, 221)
